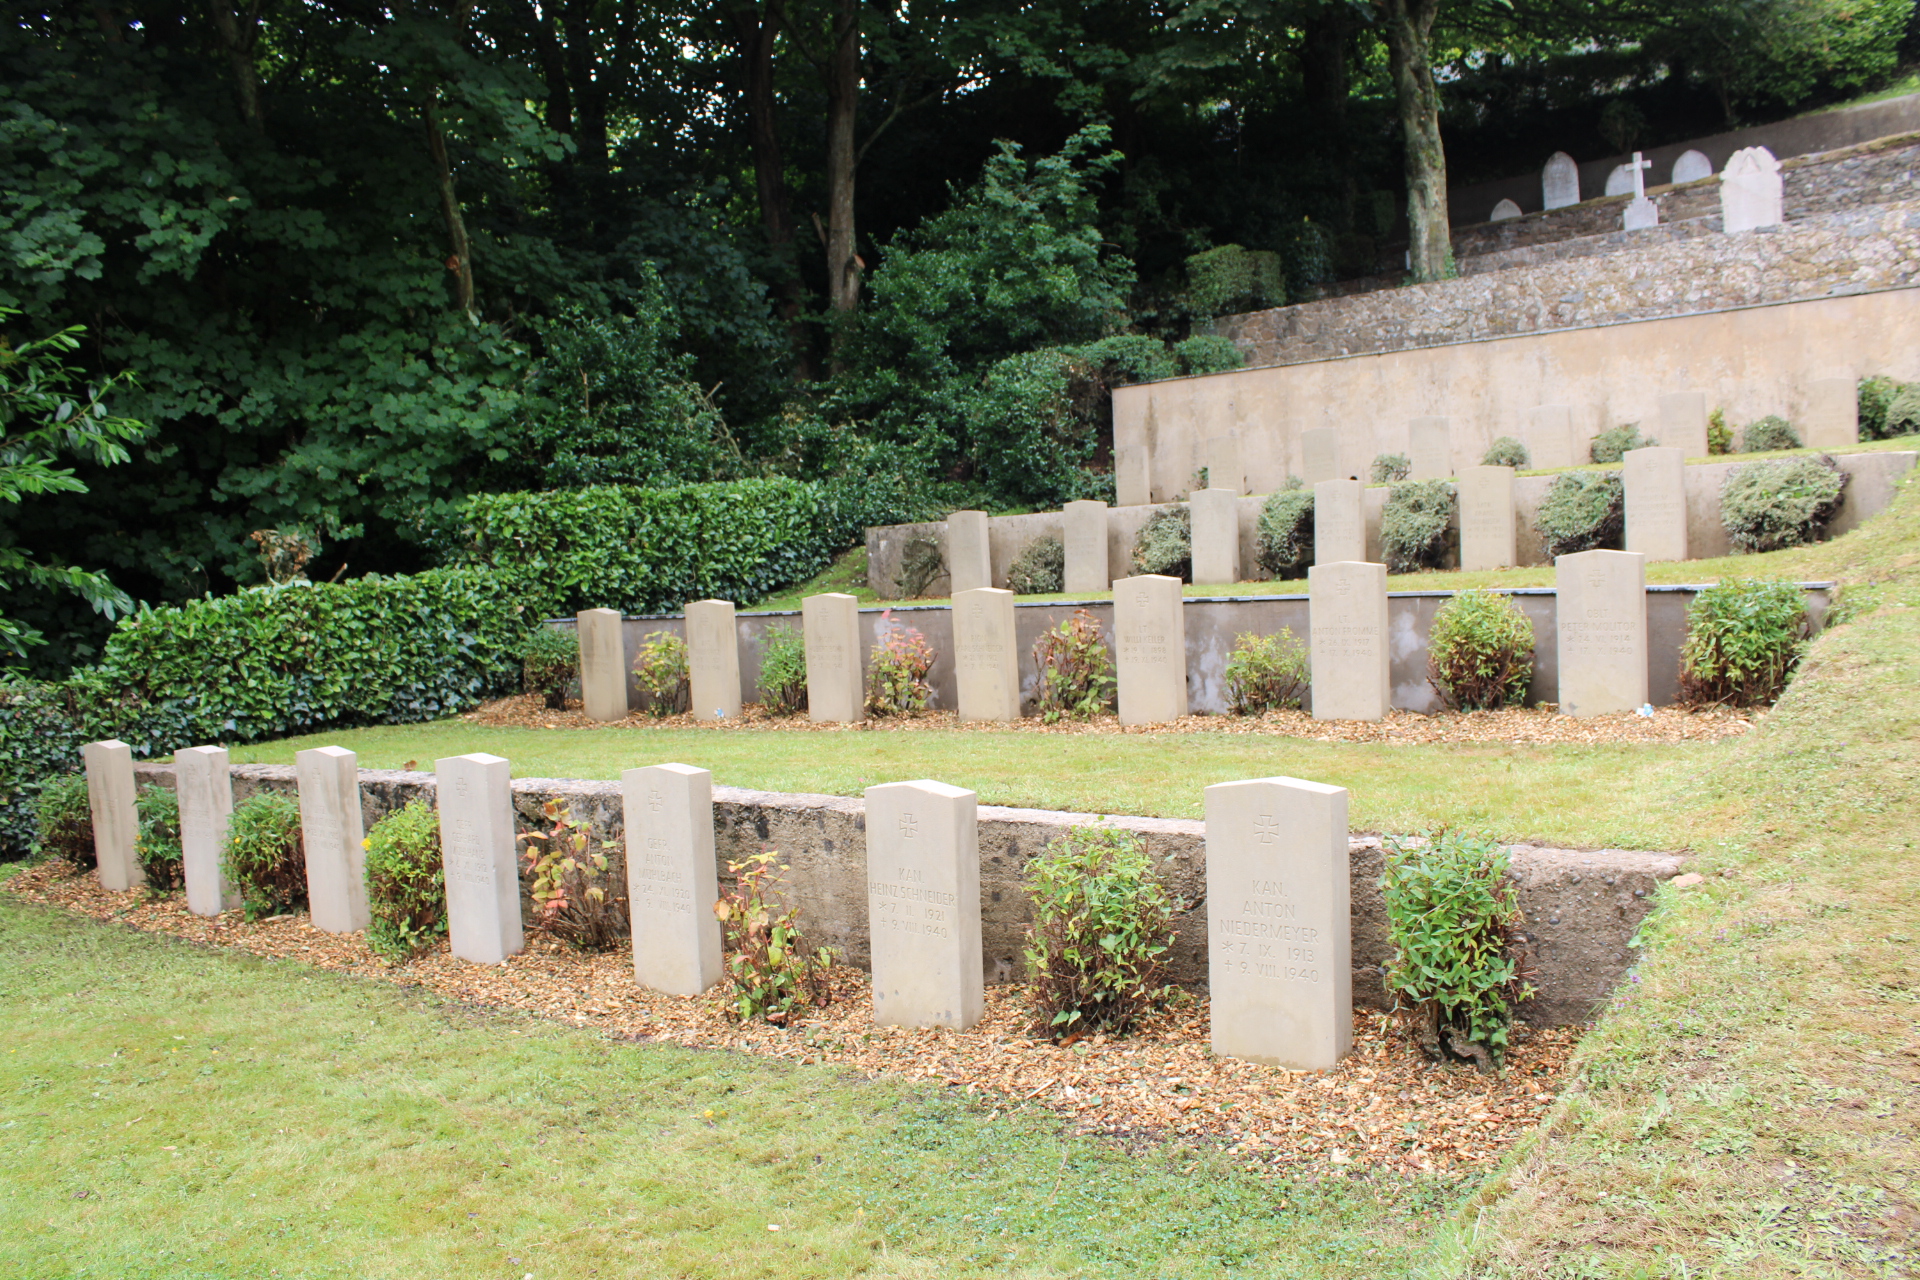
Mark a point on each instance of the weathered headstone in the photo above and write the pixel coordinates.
(331, 831)
(475, 795)
(1085, 526)
(203, 780)
(1339, 523)
(603, 664)
(1216, 536)
(1319, 455)
(1430, 450)
(923, 905)
(115, 826)
(1601, 618)
(671, 881)
(1691, 166)
(1683, 421)
(1504, 210)
(969, 563)
(1550, 436)
(713, 660)
(1833, 413)
(1751, 191)
(1347, 616)
(1150, 643)
(1560, 182)
(1656, 499)
(1279, 923)
(831, 626)
(1487, 527)
(1619, 180)
(1225, 462)
(986, 662)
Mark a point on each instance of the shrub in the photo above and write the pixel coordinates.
(1769, 505)
(1165, 544)
(1458, 966)
(1903, 414)
(921, 564)
(1616, 443)
(897, 670)
(265, 856)
(1744, 638)
(783, 670)
(1266, 673)
(1040, 568)
(1874, 397)
(549, 664)
(1583, 510)
(1283, 545)
(1076, 671)
(1416, 525)
(772, 973)
(64, 818)
(1507, 452)
(156, 841)
(1390, 468)
(574, 899)
(1480, 651)
(661, 666)
(1229, 279)
(406, 882)
(1101, 928)
(1719, 434)
(1768, 435)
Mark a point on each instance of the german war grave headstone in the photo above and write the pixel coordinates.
(923, 905)
(672, 882)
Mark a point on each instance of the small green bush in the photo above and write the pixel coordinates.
(772, 973)
(1283, 547)
(1616, 443)
(550, 664)
(1480, 651)
(406, 883)
(1389, 468)
(265, 855)
(1165, 544)
(1266, 673)
(1874, 397)
(1229, 279)
(1744, 638)
(783, 670)
(1583, 510)
(1458, 968)
(897, 670)
(1416, 525)
(156, 842)
(1769, 435)
(64, 821)
(1719, 434)
(1903, 414)
(1101, 928)
(1769, 505)
(1040, 569)
(1507, 452)
(1076, 671)
(663, 673)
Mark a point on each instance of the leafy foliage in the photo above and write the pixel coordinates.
(1416, 525)
(922, 562)
(1507, 452)
(266, 856)
(1389, 468)
(1719, 434)
(1101, 929)
(1873, 397)
(664, 673)
(1266, 673)
(1075, 669)
(1229, 279)
(1283, 544)
(1615, 443)
(1480, 651)
(1744, 639)
(1040, 568)
(773, 974)
(156, 842)
(1769, 505)
(1582, 511)
(64, 819)
(574, 898)
(897, 670)
(783, 670)
(1768, 435)
(406, 882)
(1165, 544)
(1903, 413)
(549, 664)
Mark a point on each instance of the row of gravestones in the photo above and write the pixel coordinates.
(1279, 919)
(1602, 632)
(1752, 193)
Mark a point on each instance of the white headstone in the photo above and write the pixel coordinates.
(1691, 167)
(1683, 421)
(1319, 455)
(1150, 643)
(986, 662)
(1347, 618)
(1639, 214)
(969, 564)
(671, 880)
(1086, 547)
(1656, 501)
(603, 664)
(923, 905)
(1833, 413)
(1504, 210)
(331, 831)
(115, 824)
(204, 782)
(1225, 462)
(1600, 614)
(1751, 191)
(1549, 438)
(1216, 536)
(475, 796)
(1339, 524)
(713, 660)
(1619, 180)
(1487, 532)
(1560, 182)
(1279, 923)
(831, 626)
(1430, 450)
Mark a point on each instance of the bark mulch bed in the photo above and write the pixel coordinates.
(1512, 726)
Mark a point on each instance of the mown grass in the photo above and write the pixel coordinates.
(170, 1111)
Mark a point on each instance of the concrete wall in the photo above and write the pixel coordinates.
(1582, 907)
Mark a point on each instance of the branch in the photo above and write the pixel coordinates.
(899, 109)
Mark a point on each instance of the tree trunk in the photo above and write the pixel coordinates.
(460, 257)
(239, 47)
(1408, 27)
(843, 100)
(757, 31)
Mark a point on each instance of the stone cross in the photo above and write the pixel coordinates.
(115, 825)
(986, 661)
(1640, 212)
(478, 858)
(713, 660)
(331, 832)
(923, 905)
(672, 883)
(1638, 168)
(603, 663)
(1150, 644)
(203, 780)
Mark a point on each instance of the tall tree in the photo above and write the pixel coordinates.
(1407, 28)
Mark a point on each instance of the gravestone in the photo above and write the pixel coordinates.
(1150, 644)
(109, 767)
(986, 664)
(923, 905)
(1279, 923)
(1430, 448)
(1550, 436)
(1600, 613)
(1225, 462)
(1504, 210)
(1339, 526)
(1751, 191)
(831, 626)
(1619, 180)
(1216, 536)
(1683, 422)
(713, 660)
(1487, 526)
(1640, 212)
(969, 564)
(1833, 413)
(1347, 616)
(1319, 455)
(475, 796)
(671, 881)
(204, 782)
(1560, 182)
(1085, 525)
(1691, 167)
(1656, 499)
(603, 664)
(331, 832)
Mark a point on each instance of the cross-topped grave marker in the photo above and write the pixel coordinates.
(1640, 211)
